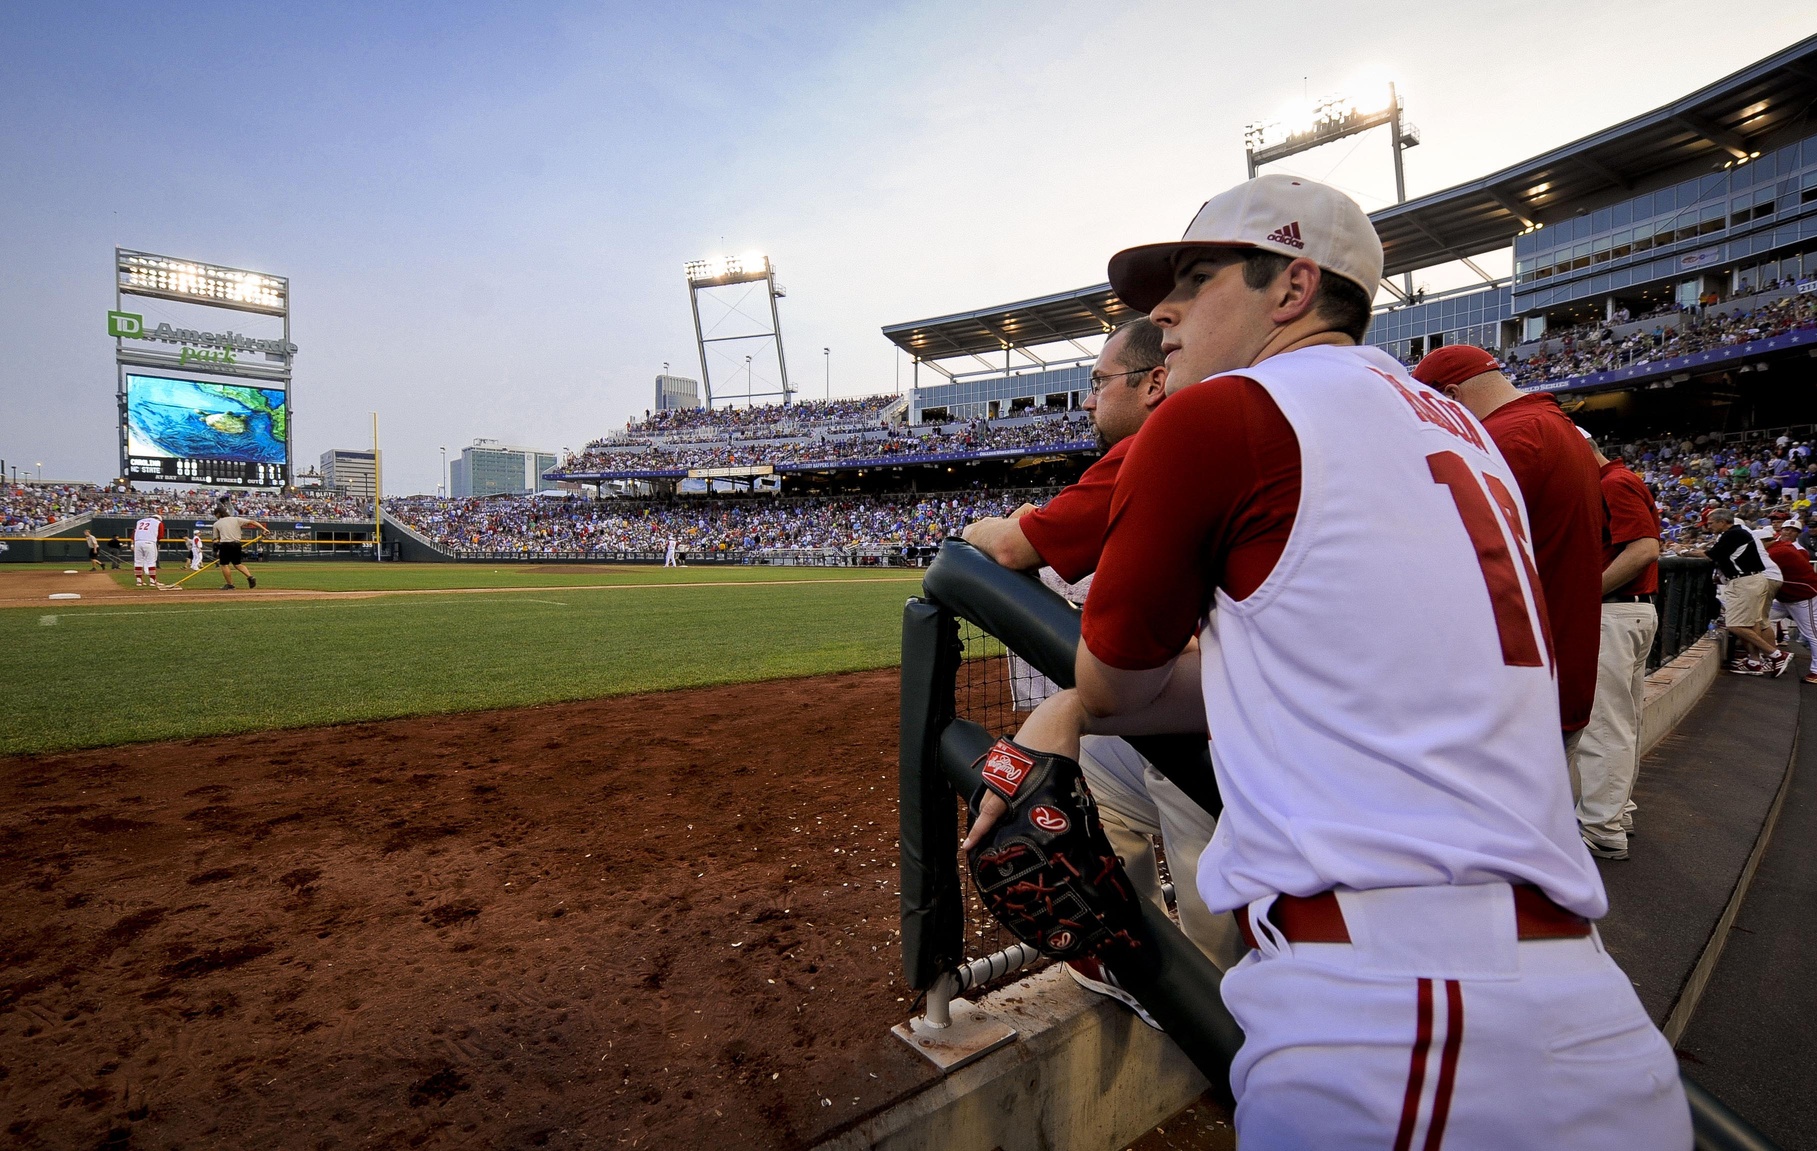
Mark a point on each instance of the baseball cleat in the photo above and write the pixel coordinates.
(1602, 851)
(1092, 975)
(250, 582)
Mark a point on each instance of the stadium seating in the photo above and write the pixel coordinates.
(530, 525)
(26, 508)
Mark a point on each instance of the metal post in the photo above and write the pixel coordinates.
(700, 342)
(828, 352)
(782, 363)
(1400, 175)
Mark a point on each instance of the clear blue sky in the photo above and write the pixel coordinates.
(484, 209)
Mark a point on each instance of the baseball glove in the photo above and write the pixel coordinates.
(1045, 869)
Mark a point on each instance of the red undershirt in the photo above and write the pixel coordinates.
(1205, 500)
(1068, 531)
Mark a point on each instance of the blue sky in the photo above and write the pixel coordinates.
(484, 209)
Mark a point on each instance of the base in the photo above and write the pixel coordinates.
(973, 1034)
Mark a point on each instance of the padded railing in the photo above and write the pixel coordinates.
(1687, 604)
(937, 754)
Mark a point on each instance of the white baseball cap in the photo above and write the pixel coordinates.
(1284, 214)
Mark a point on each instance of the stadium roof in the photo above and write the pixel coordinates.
(1727, 120)
(1048, 320)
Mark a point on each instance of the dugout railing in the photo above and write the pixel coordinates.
(1686, 604)
(972, 612)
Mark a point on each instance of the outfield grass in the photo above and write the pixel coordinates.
(342, 575)
(89, 676)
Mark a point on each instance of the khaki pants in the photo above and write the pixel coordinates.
(1135, 802)
(1608, 753)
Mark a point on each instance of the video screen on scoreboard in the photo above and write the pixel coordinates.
(189, 431)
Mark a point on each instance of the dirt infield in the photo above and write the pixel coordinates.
(648, 921)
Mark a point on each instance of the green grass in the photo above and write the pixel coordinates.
(163, 669)
(330, 575)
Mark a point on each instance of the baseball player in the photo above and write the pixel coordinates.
(1397, 838)
(195, 550)
(1797, 594)
(668, 559)
(1608, 755)
(146, 535)
(1564, 503)
(1135, 801)
(230, 552)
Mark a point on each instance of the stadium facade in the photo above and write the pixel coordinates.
(1698, 203)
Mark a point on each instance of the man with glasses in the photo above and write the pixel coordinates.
(1128, 382)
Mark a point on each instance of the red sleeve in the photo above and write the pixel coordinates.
(1631, 513)
(1205, 500)
(1523, 445)
(1068, 531)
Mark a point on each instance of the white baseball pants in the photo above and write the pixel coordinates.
(144, 555)
(1136, 802)
(1608, 753)
(1438, 1029)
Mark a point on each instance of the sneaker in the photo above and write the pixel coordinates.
(227, 587)
(1748, 667)
(1602, 851)
(1780, 661)
(1094, 976)
(1811, 677)
(1627, 823)
(250, 582)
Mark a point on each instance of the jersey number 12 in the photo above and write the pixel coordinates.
(1513, 621)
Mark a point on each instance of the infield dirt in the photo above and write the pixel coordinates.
(648, 921)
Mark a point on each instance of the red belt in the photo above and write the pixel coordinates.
(1319, 919)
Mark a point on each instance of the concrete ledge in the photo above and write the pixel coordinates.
(1084, 1073)
(1674, 689)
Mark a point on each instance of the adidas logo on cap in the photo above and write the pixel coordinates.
(1287, 234)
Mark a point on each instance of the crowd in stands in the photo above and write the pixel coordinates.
(1058, 431)
(527, 525)
(29, 507)
(1692, 476)
(758, 422)
(1596, 348)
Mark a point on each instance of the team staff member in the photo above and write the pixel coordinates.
(1751, 580)
(229, 534)
(146, 535)
(94, 549)
(195, 550)
(1397, 834)
(1608, 755)
(1798, 585)
(1558, 485)
(1128, 382)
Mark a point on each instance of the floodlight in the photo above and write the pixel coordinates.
(141, 273)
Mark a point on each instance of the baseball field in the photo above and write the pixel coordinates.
(449, 856)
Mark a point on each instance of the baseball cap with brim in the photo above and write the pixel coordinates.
(1286, 215)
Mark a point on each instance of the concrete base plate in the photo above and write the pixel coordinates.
(974, 1033)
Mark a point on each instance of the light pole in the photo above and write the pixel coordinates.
(447, 488)
(40, 471)
(747, 381)
(828, 353)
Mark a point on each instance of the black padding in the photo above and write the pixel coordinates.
(933, 904)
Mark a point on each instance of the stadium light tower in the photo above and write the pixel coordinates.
(707, 276)
(1327, 120)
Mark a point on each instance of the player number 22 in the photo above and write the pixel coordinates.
(1513, 621)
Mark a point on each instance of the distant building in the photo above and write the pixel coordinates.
(676, 392)
(490, 468)
(350, 471)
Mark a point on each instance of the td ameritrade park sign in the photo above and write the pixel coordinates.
(198, 347)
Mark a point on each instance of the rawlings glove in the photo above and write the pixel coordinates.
(1045, 869)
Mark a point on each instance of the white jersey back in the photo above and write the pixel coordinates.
(147, 530)
(1383, 708)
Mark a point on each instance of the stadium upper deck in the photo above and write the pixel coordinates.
(1690, 205)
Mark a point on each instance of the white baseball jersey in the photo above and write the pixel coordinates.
(1410, 739)
(148, 530)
